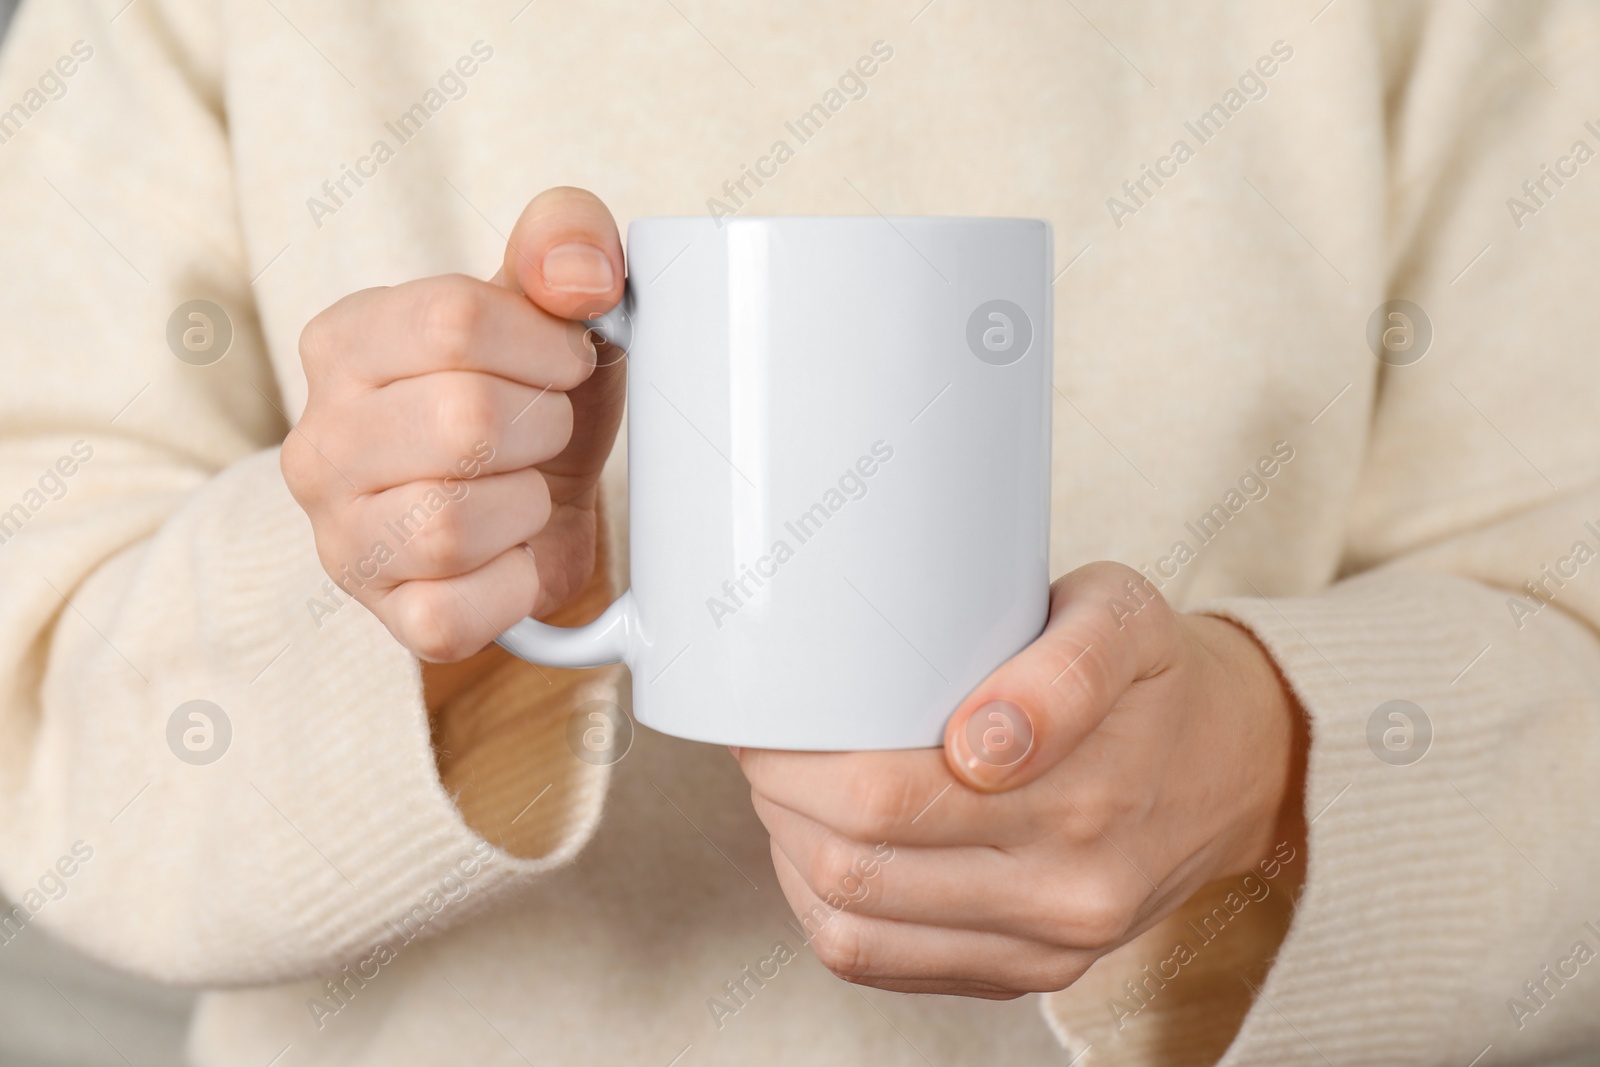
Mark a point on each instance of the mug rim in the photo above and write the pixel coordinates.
(773, 219)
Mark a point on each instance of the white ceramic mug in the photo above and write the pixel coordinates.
(838, 475)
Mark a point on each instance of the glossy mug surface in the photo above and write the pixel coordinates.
(838, 475)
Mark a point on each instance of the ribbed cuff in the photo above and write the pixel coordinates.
(324, 825)
(350, 753)
(1398, 882)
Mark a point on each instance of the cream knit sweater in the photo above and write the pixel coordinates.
(1235, 187)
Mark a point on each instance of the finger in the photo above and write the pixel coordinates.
(596, 414)
(567, 550)
(444, 620)
(902, 797)
(565, 254)
(439, 529)
(452, 322)
(913, 957)
(1093, 902)
(1039, 705)
(454, 423)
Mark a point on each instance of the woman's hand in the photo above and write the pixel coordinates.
(1085, 790)
(451, 446)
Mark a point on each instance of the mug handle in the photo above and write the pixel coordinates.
(605, 640)
(609, 638)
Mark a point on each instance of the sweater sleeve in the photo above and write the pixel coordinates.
(1451, 672)
(214, 769)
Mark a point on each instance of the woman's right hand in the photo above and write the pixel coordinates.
(450, 450)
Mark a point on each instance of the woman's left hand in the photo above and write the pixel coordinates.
(1085, 790)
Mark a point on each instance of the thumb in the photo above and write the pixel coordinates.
(565, 255)
(1108, 628)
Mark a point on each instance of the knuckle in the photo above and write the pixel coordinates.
(878, 804)
(1095, 666)
(1087, 672)
(1098, 914)
(334, 542)
(319, 341)
(433, 627)
(1055, 974)
(440, 540)
(1090, 807)
(1098, 806)
(840, 944)
(305, 473)
(468, 415)
(832, 865)
(292, 464)
(452, 310)
(1108, 574)
(1131, 598)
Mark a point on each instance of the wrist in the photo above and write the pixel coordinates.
(1259, 710)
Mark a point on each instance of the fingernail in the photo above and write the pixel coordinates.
(735, 751)
(578, 268)
(994, 740)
